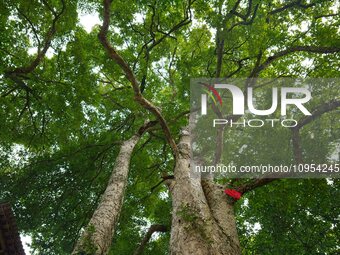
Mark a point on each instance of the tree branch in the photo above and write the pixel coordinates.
(17, 75)
(131, 77)
(41, 52)
(154, 228)
(153, 42)
(311, 49)
(165, 179)
(321, 109)
(255, 184)
(291, 5)
(245, 21)
(327, 15)
(220, 37)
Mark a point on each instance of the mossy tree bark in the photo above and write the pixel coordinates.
(203, 219)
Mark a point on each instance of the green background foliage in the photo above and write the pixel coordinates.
(62, 123)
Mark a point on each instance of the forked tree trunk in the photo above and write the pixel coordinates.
(203, 221)
(97, 237)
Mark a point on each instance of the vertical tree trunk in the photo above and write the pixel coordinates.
(203, 221)
(97, 237)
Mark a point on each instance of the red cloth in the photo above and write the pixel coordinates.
(233, 193)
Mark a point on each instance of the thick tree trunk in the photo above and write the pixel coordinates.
(203, 221)
(97, 237)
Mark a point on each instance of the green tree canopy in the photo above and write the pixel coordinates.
(65, 107)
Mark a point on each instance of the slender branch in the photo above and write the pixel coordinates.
(291, 5)
(17, 75)
(154, 228)
(185, 21)
(41, 53)
(246, 22)
(240, 66)
(131, 77)
(255, 184)
(220, 34)
(244, 17)
(321, 109)
(148, 48)
(165, 178)
(311, 49)
(32, 26)
(327, 15)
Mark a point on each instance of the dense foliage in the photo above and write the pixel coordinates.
(65, 107)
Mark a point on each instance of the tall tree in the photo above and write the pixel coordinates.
(86, 173)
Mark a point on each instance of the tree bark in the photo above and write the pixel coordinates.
(203, 221)
(97, 237)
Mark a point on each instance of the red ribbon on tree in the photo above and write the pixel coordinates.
(233, 193)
